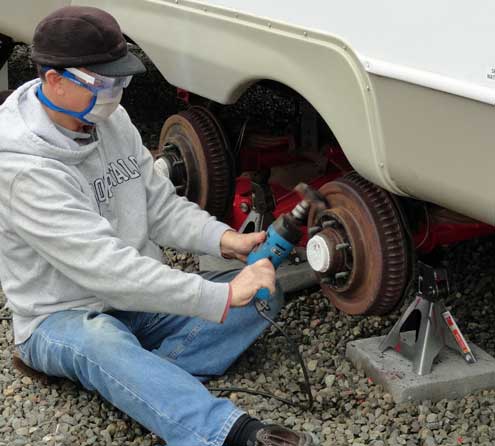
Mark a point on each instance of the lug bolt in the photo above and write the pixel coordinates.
(341, 246)
(329, 223)
(341, 275)
(313, 230)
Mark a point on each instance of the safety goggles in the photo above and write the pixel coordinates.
(98, 84)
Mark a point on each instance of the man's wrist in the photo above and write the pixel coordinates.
(225, 249)
(211, 237)
(227, 306)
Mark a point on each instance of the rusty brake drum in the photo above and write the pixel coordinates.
(196, 156)
(359, 249)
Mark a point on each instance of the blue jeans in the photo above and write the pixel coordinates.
(151, 365)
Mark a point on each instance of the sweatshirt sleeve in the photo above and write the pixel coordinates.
(51, 213)
(174, 221)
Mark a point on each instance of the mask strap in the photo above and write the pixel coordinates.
(79, 115)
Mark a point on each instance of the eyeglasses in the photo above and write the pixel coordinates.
(97, 83)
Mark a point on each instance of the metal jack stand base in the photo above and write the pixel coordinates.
(435, 327)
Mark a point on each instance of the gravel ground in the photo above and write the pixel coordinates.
(349, 408)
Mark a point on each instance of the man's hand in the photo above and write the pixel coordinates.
(237, 246)
(260, 274)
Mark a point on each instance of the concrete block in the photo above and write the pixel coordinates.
(451, 376)
(291, 277)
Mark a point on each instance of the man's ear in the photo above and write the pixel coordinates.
(54, 81)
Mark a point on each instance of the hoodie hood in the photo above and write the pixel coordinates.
(26, 128)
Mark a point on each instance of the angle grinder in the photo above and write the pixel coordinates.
(286, 232)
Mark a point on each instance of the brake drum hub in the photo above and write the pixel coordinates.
(324, 252)
(359, 251)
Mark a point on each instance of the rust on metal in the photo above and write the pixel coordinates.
(364, 217)
(202, 146)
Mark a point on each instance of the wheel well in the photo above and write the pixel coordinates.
(274, 109)
(269, 106)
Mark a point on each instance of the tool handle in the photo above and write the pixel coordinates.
(262, 251)
(276, 249)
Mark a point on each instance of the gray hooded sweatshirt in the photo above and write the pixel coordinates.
(80, 226)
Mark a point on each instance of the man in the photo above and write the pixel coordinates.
(82, 216)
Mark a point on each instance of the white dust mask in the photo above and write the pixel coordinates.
(104, 106)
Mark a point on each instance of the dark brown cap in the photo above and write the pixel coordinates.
(81, 36)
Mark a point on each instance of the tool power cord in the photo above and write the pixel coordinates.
(261, 306)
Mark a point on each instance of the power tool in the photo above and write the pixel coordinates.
(285, 232)
(281, 236)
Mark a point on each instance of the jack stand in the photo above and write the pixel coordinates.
(435, 327)
(260, 216)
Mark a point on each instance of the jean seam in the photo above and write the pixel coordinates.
(227, 425)
(153, 320)
(50, 341)
(174, 354)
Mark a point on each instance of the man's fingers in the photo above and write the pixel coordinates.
(264, 263)
(252, 278)
(260, 236)
(271, 288)
(265, 273)
(254, 239)
(268, 284)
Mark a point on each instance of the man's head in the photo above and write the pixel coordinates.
(84, 63)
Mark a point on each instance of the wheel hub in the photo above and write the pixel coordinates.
(172, 165)
(319, 254)
(327, 252)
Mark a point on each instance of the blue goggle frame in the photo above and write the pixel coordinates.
(96, 83)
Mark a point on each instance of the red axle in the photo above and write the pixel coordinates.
(259, 152)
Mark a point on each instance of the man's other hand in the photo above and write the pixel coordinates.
(260, 274)
(237, 246)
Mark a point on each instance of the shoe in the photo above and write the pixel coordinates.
(274, 435)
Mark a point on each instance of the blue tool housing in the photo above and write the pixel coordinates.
(275, 248)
